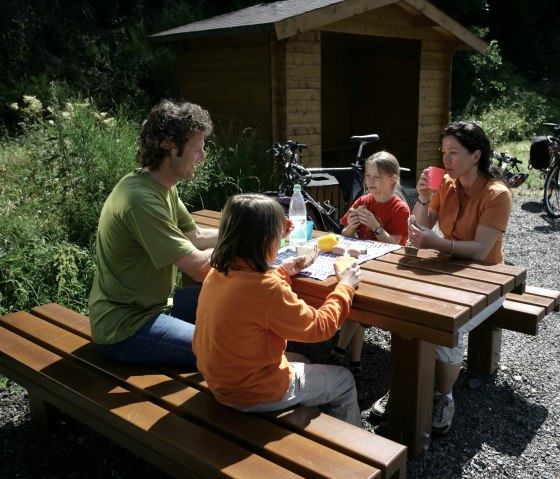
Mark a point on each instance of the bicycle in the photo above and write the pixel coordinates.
(508, 168)
(289, 158)
(551, 185)
(350, 179)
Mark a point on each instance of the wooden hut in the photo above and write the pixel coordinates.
(320, 71)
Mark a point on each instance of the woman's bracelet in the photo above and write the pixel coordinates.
(422, 203)
(452, 248)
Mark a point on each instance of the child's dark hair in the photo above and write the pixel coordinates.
(250, 223)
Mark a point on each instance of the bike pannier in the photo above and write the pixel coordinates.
(539, 155)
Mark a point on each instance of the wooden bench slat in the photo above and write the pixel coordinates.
(520, 317)
(531, 299)
(168, 441)
(377, 451)
(549, 293)
(260, 436)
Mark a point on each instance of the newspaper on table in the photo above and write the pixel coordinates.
(323, 267)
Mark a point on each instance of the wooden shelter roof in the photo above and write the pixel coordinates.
(289, 17)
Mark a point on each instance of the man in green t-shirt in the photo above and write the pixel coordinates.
(145, 233)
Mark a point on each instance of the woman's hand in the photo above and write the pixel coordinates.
(424, 194)
(420, 237)
(349, 276)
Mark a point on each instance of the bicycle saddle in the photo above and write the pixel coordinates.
(366, 138)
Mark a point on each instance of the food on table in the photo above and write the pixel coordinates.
(338, 250)
(309, 251)
(344, 262)
(327, 242)
(355, 252)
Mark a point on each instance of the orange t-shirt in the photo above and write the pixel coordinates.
(488, 203)
(243, 323)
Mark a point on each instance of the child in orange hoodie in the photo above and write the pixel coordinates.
(247, 312)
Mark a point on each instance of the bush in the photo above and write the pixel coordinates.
(54, 179)
(34, 269)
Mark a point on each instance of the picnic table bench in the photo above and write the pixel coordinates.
(167, 416)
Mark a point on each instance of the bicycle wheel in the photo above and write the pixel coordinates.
(552, 192)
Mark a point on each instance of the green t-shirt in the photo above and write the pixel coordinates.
(139, 238)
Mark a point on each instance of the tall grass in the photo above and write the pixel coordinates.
(54, 178)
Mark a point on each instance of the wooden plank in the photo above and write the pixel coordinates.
(387, 455)
(171, 443)
(250, 431)
(324, 16)
(443, 273)
(390, 323)
(520, 317)
(433, 286)
(531, 299)
(345, 438)
(549, 293)
(508, 277)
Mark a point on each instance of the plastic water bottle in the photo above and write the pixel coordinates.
(298, 216)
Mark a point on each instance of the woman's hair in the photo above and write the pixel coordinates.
(169, 124)
(249, 226)
(473, 138)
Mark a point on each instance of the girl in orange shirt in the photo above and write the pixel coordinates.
(247, 312)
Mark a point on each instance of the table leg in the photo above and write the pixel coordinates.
(485, 344)
(412, 387)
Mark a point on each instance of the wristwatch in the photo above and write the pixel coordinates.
(377, 231)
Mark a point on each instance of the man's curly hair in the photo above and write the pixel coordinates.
(169, 124)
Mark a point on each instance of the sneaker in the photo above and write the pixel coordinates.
(379, 408)
(336, 358)
(357, 373)
(444, 410)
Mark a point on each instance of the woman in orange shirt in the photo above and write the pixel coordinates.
(472, 209)
(247, 312)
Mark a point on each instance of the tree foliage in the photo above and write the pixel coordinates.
(100, 49)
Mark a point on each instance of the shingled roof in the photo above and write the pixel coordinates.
(289, 17)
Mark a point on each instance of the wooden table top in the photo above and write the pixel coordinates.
(416, 293)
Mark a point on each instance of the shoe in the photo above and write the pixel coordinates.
(379, 408)
(336, 358)
(357, 373)
(444, 410)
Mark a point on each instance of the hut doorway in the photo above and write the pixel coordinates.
(369, 85)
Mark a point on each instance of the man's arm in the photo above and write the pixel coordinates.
(196, 264)
(203, 238)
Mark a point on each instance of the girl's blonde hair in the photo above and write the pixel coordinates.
(386, 163)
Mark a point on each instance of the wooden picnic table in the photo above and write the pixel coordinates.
(422, 298)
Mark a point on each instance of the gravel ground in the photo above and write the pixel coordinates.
(506, 426)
